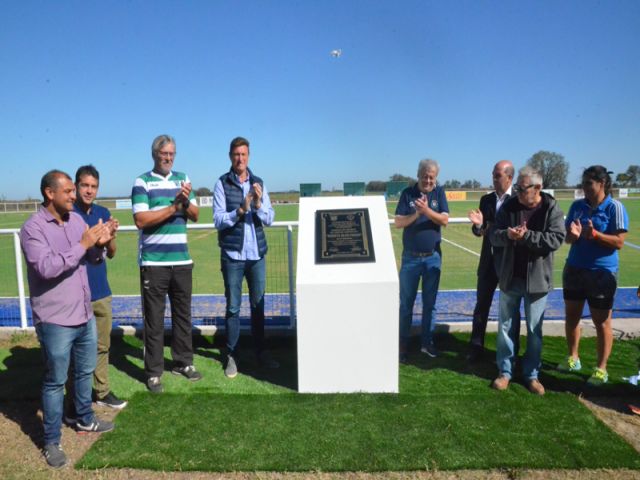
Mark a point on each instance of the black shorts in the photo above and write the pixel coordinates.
(597, 287)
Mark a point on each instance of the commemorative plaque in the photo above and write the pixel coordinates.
(344, 236)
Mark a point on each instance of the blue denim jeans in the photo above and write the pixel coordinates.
(233, 271)
(508, 329)
(412, 270)
(59, 345)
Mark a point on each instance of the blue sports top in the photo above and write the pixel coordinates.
(97, 272)
(423, 235)
(609, 217)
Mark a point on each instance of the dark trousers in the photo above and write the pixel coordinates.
(487, 283)
(155, 284)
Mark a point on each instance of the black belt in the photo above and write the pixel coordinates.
(420, 254)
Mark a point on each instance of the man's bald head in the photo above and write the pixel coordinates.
(502, 175)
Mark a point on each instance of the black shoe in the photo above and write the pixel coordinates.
(154, 385)
(430, 350)
(189, 372)
(97, 426)
(54, 455)
(404, 358)
(110, 400)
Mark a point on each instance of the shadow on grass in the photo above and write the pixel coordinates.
(126, 355)
(453, 348)
(20, 391)
(120, 355)
(283, 350)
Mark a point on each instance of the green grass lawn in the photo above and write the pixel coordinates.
(445, 417)
(458, 271)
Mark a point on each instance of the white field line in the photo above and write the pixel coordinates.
(632, 245)
(461, 247)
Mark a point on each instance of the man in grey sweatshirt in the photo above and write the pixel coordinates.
(530, 228)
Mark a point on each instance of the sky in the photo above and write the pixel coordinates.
(466, 83)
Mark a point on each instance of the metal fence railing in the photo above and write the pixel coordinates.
(124, 277)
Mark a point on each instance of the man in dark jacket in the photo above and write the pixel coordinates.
(529, 228)
(241, 207)
(482, 219)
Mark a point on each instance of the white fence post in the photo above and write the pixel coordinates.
(292, 294)
(21, 296)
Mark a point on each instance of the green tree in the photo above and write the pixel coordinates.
(630, 178)
(471, 184)
(376, 186)
(203, 192)
(398, 177)
(552, 166)
(452, 184)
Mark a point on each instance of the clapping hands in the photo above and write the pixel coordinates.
(476, 217)
(517, 233)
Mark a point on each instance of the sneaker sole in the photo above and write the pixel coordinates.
(228, 375)
(110, 405)
(80, 430)
(429, 354)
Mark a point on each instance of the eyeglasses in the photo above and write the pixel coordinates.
(522, 188)
(167, 154)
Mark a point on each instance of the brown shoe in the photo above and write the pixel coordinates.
(535, 387)
(500, 383)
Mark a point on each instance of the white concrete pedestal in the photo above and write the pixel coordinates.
(347, 321)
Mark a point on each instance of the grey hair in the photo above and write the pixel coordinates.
(427, 164)
(159, 142)
(532, 174)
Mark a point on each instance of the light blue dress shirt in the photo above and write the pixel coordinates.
(223, 219)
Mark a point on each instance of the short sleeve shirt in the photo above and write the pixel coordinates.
(609, 217)
(164, 244)
(97, 272)
(423, 235)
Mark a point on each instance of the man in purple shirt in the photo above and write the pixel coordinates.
(57, 244)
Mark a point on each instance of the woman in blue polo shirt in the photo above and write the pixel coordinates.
(596, 228)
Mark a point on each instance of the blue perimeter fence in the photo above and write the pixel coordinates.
(452, 306)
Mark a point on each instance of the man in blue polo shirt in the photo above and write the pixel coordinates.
(87, 184)
(422, 210)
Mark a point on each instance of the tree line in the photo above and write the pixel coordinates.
(551, 165)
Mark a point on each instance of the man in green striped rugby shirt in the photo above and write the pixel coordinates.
(163, 202)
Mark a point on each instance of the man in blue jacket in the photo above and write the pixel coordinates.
(241, 208)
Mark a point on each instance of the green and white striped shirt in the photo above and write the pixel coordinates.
(164, 244)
